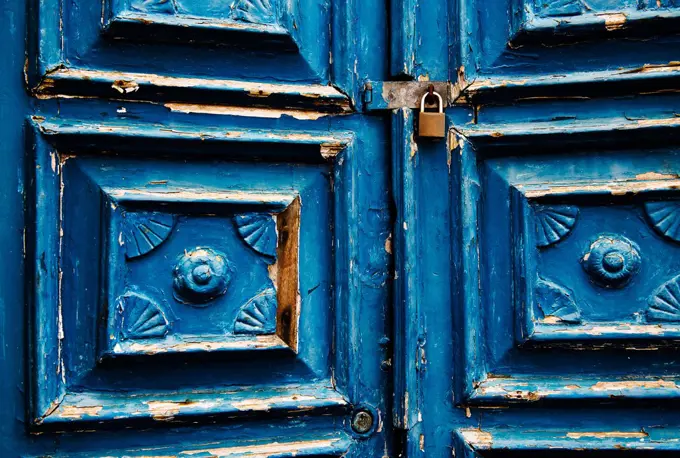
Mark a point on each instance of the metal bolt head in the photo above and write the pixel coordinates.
(362, 421)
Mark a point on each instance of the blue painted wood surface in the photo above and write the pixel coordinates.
(212, 248)
(204, 240)
(528, 319)
(217, 365)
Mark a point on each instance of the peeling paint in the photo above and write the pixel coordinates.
(263, 451)
(200, 345)
(388, 244)
(613, 21)
(53, 160)
(414, 146)
(656, 176)
(267, 403)
(615, 188)
(481, 439)
(125, 86)
(244, 111)
(124, 83)
(634, 384)
(608, 435)
(173, 81)
(163, 410)
(551, 319)
(77, 412)
(181, 194)
(631, 329)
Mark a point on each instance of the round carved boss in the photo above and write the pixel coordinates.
(612, 261)
(200, 276)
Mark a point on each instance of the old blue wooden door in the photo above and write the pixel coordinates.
(224, 236)
(537, 247)
(195, 227)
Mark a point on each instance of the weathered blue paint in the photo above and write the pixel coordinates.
(601, 301)
(205, 229)
(648, 440)
(558, 268)
(301, 384)
(535, 256)
(520, 49)
(294, 362)
(408, 325)
(223, 237)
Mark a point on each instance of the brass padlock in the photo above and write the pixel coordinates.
(432, 125)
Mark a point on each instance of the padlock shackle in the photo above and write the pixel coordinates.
(441, 102)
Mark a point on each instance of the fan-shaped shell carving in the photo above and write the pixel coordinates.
(142, 317)
(144, 231)
(553, 223)
(258, 315)
(665, 218)
(664, 303)
(253, 11)
(258, 230)
(556, 303)
(154, 6)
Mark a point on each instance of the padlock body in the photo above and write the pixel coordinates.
(431, 125)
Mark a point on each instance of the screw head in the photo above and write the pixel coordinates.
(362, 421)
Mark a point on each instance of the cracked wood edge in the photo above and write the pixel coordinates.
(554, 439)
(502, 390)
(574, 85)
(97, 407)
(329, 145)
(177, 91)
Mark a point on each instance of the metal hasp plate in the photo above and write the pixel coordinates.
(390, 95)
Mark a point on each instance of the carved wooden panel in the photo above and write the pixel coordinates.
(222, 294)
(579, 8)
(167, 286)
(241, 15)
(559, 48)
(610, 246)
(201, 240)
(574, 17)
(246, 52)
(245, 23)
(571, 253)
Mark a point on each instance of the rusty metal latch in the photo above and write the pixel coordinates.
(389, 95)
